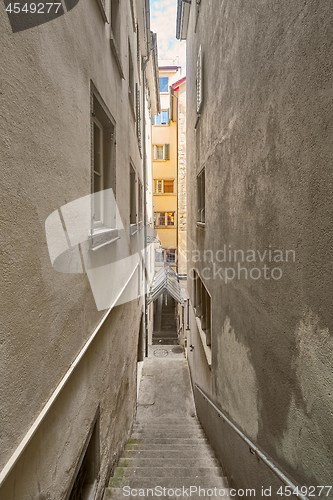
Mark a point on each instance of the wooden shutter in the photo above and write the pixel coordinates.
(167, 151)
(199, 80)
(138, 116)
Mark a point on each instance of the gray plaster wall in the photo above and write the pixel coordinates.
(264, 137)
(47, 316)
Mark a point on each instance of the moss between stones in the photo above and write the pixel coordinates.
(123, 462)
(133, 441)
(115, 482)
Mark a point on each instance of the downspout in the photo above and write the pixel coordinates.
(145, 198)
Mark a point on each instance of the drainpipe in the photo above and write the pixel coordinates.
(145, 221)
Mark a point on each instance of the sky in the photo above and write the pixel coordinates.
(163, 22)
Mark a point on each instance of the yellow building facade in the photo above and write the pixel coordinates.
(165, 168)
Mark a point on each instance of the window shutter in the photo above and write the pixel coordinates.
(167, 151)
(138, 116)
(199, 80)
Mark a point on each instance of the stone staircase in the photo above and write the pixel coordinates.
(168, 448)
(167, 454)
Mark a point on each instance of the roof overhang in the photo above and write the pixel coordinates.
(165, 280)
(183, 15)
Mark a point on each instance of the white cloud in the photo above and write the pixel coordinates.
(163, 22)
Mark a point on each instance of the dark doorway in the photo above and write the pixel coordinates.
(165, 320)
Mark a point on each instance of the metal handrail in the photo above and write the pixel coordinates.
(254, 449)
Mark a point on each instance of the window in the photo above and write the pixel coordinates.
(202, 305)
(161, 152)
(138, 51)
(164, 219)
(115, 36)
(201, 202)
(170, 218)
(99, 175)
(163, 186)
(164, 84)
(85, 482)
(171, 256)
(158, 186)
(140, 202)
(168, 186)
(159, 255)
(132, 196)
(162, 118)
(130, 76)
(103, 166)
(199, 80)
(115, 22)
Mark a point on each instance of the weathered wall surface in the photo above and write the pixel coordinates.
(264, 136)
(47, 316)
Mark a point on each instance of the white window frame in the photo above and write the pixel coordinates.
(99, 222)
(155, 146)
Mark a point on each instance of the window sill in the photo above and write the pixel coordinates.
(206, 348)
(116, 55)
(166, 227)
(201, 224)
(134, 228)
(102, 236)
(165, 194)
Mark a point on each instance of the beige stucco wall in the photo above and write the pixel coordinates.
(264, 137)
(47, 316)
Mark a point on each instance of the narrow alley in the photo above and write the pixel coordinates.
(166, 259)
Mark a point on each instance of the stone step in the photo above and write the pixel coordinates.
(161, 472)
(195, 447)
(137, 438)
(175, 420)
(211, 481)
(168, 462)
(168, 433)
(118, 494)
(182, 453)
(181, 426)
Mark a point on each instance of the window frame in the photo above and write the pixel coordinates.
(164, 216)
(104, 231)
(162, 191)
(167, 85)
(203, 313)
(158, 117)
(166, 152)
(115, 36)
(201, 198)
